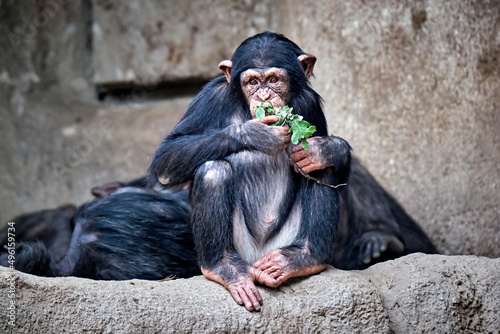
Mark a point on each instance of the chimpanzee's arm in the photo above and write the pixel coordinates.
(372, 223)
(369, 203)
(211, 130)
(320, 218)
(382, 221)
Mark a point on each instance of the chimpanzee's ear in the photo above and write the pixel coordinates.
(225, 66)
(307, 61)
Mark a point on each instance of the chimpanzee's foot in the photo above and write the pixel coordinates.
(374, 246)
(243, 289)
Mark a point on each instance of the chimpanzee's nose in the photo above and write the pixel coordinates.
(264, 94)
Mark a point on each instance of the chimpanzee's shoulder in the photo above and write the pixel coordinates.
(212, 101)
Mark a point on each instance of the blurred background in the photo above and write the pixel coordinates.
(88, 89)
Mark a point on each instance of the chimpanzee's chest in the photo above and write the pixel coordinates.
(263, 189)
(260, 177)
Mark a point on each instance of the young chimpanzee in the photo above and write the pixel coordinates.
(130, 233)
(254, 218)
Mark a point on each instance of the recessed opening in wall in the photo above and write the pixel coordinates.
(127, 91)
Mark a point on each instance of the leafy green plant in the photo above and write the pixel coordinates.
(299, 128)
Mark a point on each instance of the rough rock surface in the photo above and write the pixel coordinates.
(69, 146)
(415, 294)
(170, 41)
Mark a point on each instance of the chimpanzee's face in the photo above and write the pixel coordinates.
(265, 85)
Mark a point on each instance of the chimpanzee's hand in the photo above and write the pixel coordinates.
(271, 140)
(311, 159)
(274, 269)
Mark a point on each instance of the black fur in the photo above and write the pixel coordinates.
(369, 216)
(143, 234)
(31, 257)
(132, 233)
(372, 224)
(53, 227)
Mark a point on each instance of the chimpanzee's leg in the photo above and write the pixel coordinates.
(213, 204)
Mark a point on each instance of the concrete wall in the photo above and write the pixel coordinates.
(151, 41)
(414, 86)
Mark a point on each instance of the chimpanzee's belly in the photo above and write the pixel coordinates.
(263, 187)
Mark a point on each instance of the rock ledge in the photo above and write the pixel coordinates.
(417, 293)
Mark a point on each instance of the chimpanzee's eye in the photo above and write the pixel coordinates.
(253, 82)
(274, 80)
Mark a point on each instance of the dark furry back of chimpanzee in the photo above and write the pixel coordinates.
(132, 233)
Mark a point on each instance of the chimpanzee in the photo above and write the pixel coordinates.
(131, 233)
(44, 236)
(254, 219)
(54, 227)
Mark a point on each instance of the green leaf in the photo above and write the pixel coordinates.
(309, 131)
(267, 105)
(260, 112)
(299, 128)
(283, 114)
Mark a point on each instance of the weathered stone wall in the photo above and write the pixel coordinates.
(44, 43)
(414, 294)
(150, 41)
(414, 86)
